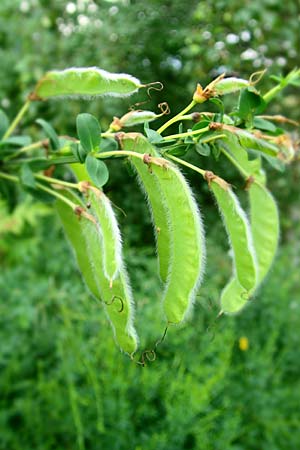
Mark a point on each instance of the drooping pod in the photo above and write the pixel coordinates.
(118, 299)
(187, 251)
(234, 297)
(86, 241)
(238, 230)
(265, 234)
(84, 83)
(109, 230)
(264, 226)
(150, 186)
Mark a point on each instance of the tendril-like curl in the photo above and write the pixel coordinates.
(164, 107)
(112, 301)
(156, 86)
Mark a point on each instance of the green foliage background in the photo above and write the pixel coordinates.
(63, 383)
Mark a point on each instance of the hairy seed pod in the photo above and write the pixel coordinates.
(229, 86)
(109, 230)
(149, 184)
(84, 83)
(233, 297)
(265, 232)
(86, 242)
(265, 227)
(187, 251)
(138, 117)
(75, 237)
(238, 229)
(118, 297)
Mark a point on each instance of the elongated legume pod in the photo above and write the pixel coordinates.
(229, 85)
(133, 118)
(118, 297)
(149, 184)
(265, 233)
(187, 252)
(74, 234)
(109, 230)
(265, 227)
(236, 224)
(87, 243)
(85, 82)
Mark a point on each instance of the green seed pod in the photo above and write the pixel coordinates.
(74, 234)
(138, 117)
(86, 242)
(109, 230)
(233, 297)
(187, 251)
(84, 83)
(265, 227)
(236, 224)
(118, 297)
(150, 186)
(265, 232)
(229, 85)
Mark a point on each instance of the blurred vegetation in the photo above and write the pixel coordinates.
(63, 382)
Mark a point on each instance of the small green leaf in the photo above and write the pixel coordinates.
(249, 103)
(97, 170)
(27, 177)
(50, 132)
(153, 136)
(4, 123)
(178, 150)
(108, 145)
(89, 132)
(79, 152)
(202, 149)
(263, 124)
(16, 141)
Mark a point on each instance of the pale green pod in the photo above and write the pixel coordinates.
(265, 234)
(265, 227)
(86, 242)
(150, 186)
(108, 228)
(238, 230)
(85, 83)
(118, 297)
(138, 117)
(74, 234)
(233, 297)
(230, 85)
(187, 251)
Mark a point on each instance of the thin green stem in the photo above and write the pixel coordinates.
(108, 134)
(185, 163)
(177, 117)
(186, 134)
(56, 195)
(17, 119)
(8, 177)
(118, 153)
(213, 138)
(56, 181)
(25, 149)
